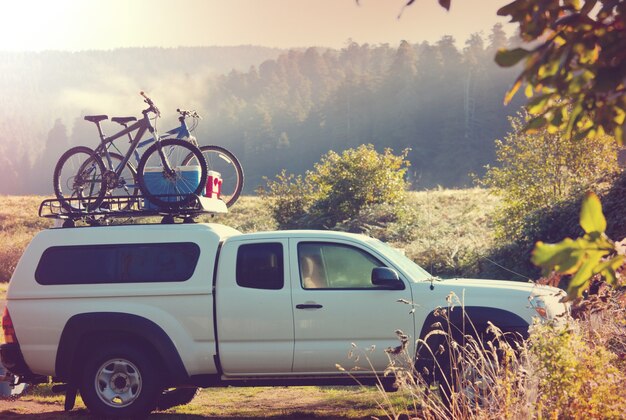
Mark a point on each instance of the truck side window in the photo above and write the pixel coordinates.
(333, 266)
(118, 263)
(260, 266)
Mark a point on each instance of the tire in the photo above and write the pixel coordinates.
(78, 180)
(435, 361)
(120, 380)
(467, 367)
(126, 186)
(174, 397)
(221, 160)
(174, 190)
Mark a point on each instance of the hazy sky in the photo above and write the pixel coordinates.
(105, 24)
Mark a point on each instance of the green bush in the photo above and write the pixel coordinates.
(290, 197)
(554, 223)
(540, 170)
(541, 178)
(359, 190)
(387, 222)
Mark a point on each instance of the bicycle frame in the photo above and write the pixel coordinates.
(141, 126)
(180, 132)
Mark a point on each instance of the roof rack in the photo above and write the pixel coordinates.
(72, 210)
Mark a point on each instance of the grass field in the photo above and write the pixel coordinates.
(452, 230)
(239, 403)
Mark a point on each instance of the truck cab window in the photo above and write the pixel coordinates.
(333, 266)
(260, 266)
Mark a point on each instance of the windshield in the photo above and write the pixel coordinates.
(414, 271)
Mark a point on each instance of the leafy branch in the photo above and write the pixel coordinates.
(592, 254)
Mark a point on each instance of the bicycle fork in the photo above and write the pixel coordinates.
(167, 168)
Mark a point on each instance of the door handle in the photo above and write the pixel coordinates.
(308, 306)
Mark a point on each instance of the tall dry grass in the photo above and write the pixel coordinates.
(570, 368)
(19, 222)
(454, 231)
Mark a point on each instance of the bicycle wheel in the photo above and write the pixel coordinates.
(123, 188)
(178, 187)
(221, 160)
(78, 180)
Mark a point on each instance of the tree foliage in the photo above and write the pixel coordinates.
(339, 189)
(576, 69)
(274, 109)
(541, 169)
(574, 64)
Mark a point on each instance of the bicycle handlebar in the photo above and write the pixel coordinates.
(187, 113)
(152, 107)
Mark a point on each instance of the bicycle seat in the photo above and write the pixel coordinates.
(96, 118)
(123, 120)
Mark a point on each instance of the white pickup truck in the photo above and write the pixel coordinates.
(122, 313)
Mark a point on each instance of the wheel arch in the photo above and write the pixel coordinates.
(84, 330)
(470, 320)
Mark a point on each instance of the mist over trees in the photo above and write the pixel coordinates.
(274, 109)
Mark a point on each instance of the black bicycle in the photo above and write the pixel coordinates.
(171, 172)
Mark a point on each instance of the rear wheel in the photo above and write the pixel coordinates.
(175, 188)
(78, 180)
(120, 380)
(221, 160)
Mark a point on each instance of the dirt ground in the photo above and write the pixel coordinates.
(274, 403)
(13, 409)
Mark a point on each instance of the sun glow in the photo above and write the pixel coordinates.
(37, 25)
(27, 23)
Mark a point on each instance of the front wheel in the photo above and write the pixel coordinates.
(177, 186)
(78, 180)
(221, 160)
(120, 380)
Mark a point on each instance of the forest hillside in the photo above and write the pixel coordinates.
(274, 109)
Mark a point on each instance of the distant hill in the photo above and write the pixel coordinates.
(36, 88)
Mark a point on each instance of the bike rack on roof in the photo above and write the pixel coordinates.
(126, 207)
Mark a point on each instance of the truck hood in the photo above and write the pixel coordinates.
(527, 287)
(519, 297)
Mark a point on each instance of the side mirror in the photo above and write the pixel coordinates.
(387, 278)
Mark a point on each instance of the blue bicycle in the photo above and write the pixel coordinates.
(219, 160)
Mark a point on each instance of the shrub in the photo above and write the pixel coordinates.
(576, 375)
(343, 191)
(387, 222)
(557, 222)
(290, 197)
(540, 170)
